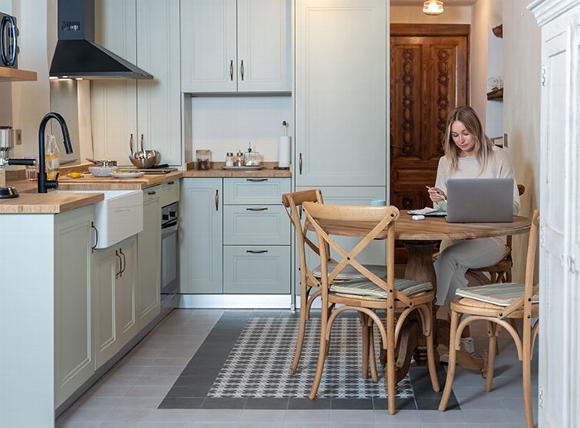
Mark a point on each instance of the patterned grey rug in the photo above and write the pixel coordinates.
(257, 366)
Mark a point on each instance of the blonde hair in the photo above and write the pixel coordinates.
(483, 146)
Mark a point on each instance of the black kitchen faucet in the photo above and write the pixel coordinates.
(43, 182)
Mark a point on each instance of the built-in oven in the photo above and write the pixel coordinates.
(8, 41)
(169, 256)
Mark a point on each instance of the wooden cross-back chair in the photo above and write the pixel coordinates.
(498, 304)
(374, 292)
(502, 270)
(310, 278)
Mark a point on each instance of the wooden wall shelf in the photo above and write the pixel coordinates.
(495, 95)
(15, 75)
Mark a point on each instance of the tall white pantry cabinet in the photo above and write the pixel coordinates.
(559, 383)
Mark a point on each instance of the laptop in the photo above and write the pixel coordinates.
(480, 200)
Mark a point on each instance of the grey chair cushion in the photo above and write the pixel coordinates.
(370, 289)
(503, 294)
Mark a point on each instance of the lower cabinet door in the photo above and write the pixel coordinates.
(125, 292)
(105, 266)
(73, 363)
(256, 269)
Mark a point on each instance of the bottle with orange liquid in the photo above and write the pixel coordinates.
(51, 157)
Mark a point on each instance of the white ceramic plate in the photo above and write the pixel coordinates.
(102, 171)
(127, 174)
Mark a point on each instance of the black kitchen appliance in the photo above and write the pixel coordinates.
(8, 41)
(77, 55)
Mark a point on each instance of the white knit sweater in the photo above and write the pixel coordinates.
(499, 165)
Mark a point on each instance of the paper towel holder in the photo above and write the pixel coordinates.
(280, 147)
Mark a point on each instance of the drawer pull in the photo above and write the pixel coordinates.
(256, 251)
(256, 180)
(152, 193)
(171, 183)
(257, 209)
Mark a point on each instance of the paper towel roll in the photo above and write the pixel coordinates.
(284, 152)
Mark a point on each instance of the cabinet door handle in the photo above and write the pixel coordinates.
(300, 163)
(94, 247)
(171, 183)
(257, 209)
(118, 274)
(256, 180)
(242, 69)
(217, 200)
(231, 69)
(124, 265)
(256, 251)
(153, 192)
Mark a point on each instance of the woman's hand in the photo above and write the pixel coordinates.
(436, 194)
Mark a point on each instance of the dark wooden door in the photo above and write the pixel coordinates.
(429, 78)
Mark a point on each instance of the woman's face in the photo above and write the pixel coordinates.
(462, 138)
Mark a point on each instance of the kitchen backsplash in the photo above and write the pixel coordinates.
(226, 124)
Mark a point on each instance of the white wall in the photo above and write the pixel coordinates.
(31, 100)
(522, 108)
(226, 124)
(486, 15)
(414, 14)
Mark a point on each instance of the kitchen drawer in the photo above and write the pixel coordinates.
(256, 270)
(244, 191)
(169, 192)
(256, 225)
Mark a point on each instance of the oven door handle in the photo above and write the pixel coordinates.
(170, 228)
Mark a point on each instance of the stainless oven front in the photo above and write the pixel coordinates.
(169, 255)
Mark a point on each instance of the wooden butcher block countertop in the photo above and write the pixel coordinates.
(217, 171)
(48, 203)
(90, 182)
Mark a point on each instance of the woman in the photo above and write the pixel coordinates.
(468, 154)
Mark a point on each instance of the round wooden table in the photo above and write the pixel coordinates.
(421, 239)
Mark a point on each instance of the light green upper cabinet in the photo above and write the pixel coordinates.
(146, 33)
(236, 46)
(200, 242)
(341, 93)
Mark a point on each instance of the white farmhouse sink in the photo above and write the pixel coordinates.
(118, 216)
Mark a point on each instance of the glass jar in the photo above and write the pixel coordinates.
(239, 160)
(229, 159)
(51, 158)
(203, 158)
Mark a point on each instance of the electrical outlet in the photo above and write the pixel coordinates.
(505, 140)
(18, 137)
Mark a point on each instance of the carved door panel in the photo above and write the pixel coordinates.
(428, 80)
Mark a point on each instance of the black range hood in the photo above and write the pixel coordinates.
(78, 56)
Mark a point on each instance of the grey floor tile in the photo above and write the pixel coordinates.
(448, 417)
(269, 416)
(181, 403)
(308, 416)
(402, 416)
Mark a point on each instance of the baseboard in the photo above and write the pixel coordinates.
(234, 301)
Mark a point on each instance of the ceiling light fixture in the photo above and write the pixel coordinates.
(433, 7)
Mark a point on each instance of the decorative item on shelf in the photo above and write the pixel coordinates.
(498, 31)
(284, 149)
(203, 158)
(433, 7)
(496, 88)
